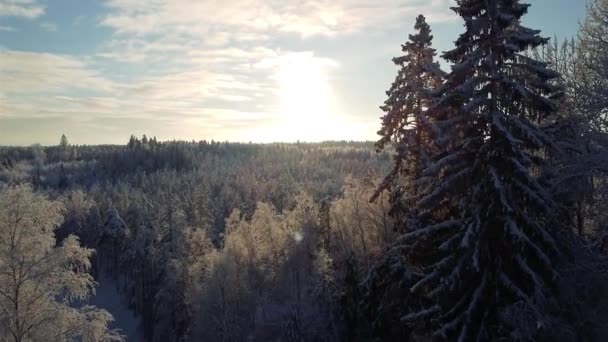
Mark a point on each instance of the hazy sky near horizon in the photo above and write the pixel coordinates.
(238, 70)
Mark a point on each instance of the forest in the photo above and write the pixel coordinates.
(480, 214)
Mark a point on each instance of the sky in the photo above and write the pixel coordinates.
(229, 70)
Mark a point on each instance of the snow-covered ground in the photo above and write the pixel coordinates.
(107, 297)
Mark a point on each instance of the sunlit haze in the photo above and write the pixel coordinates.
(237, 70)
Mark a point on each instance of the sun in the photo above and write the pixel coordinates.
(306, 97)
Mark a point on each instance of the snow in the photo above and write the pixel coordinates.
(421, 314)
(108, 298)
(431, 229)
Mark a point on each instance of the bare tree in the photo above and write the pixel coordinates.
(41, 283)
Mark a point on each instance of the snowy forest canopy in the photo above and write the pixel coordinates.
(479, 214)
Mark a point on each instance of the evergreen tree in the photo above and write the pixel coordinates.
(132, 142)
(484, 232)
(63, 142)
(405, 124)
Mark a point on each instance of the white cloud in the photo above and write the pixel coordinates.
(25, 72)
(49, 27)
(78, 20)
(21, 8)
(305, 18)
(200, 67)
(43, 85)
(7, 28)
(170, 32)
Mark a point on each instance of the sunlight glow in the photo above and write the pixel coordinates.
(306, 108)
(298, 237)
(306, 97)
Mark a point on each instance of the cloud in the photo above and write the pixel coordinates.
(7, 28)
(26, 72)
(305, 18)
(79, 19)
(195, 67)
(49, 27)
(21, 8)
(235, 35)
(213, 100)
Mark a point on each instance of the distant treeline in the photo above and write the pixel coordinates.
(250, 172)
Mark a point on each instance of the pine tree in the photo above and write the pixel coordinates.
(405, 124)
(63, 142)
(484, 236)
(132, 142)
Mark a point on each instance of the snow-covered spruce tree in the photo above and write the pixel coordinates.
(488, 259)
(407, 128)
(405, 124)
